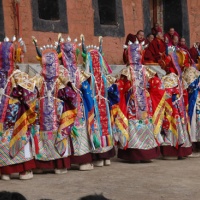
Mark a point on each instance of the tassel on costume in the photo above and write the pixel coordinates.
(96, 141)
(75, 131)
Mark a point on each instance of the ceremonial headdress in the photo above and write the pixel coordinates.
(11, 53)
(49, 56)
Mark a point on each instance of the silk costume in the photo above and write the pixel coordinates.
(16, 113)
(56, 112)
(142, 144)
(80, 132)
(176, 124)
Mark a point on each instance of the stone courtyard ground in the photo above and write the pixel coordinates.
(159, 180)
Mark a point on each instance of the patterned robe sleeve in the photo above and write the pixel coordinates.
(118, 119)
(25, 117)
(68, 96)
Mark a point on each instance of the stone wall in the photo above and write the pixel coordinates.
(80, 16)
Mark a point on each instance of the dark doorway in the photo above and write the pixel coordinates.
(168, 13)
(172, 15)
(175, 15)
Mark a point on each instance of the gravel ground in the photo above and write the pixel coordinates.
(161, 179)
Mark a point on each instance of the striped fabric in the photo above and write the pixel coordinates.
(141, 135)
(19, 137)
(4, 151)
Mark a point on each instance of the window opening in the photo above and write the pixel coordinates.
(107, 12)
(48, 9)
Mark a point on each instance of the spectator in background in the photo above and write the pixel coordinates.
(155, 49)
(175, 41)
(168, 37)
(183, 45)
(149, 38)
(195, 52)
(155, 29)
(139, 36)
(132, 38)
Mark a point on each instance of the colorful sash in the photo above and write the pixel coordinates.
(158, 96)
(193, 94)
(138, 82)
(119, 121)
(101, 107)
(89, 108)
(69, 113)
(26, 116)
(180, 104)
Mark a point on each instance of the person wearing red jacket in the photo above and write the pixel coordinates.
(132, 38)
(149, 39)
(195, 52)
(155, 49)
(155, 29)
(183, 45)
(168, 37)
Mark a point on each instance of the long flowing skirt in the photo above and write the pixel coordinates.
(142, 145)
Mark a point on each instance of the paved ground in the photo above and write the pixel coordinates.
(159, 180)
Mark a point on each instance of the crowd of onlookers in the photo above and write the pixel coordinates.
(5, 195)
(156, 42)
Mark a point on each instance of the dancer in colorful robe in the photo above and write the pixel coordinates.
(142, 145)
(56, 112)
(16, 114)
(192, 77)
(176, 123)
(101, 124)
(80, 132)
